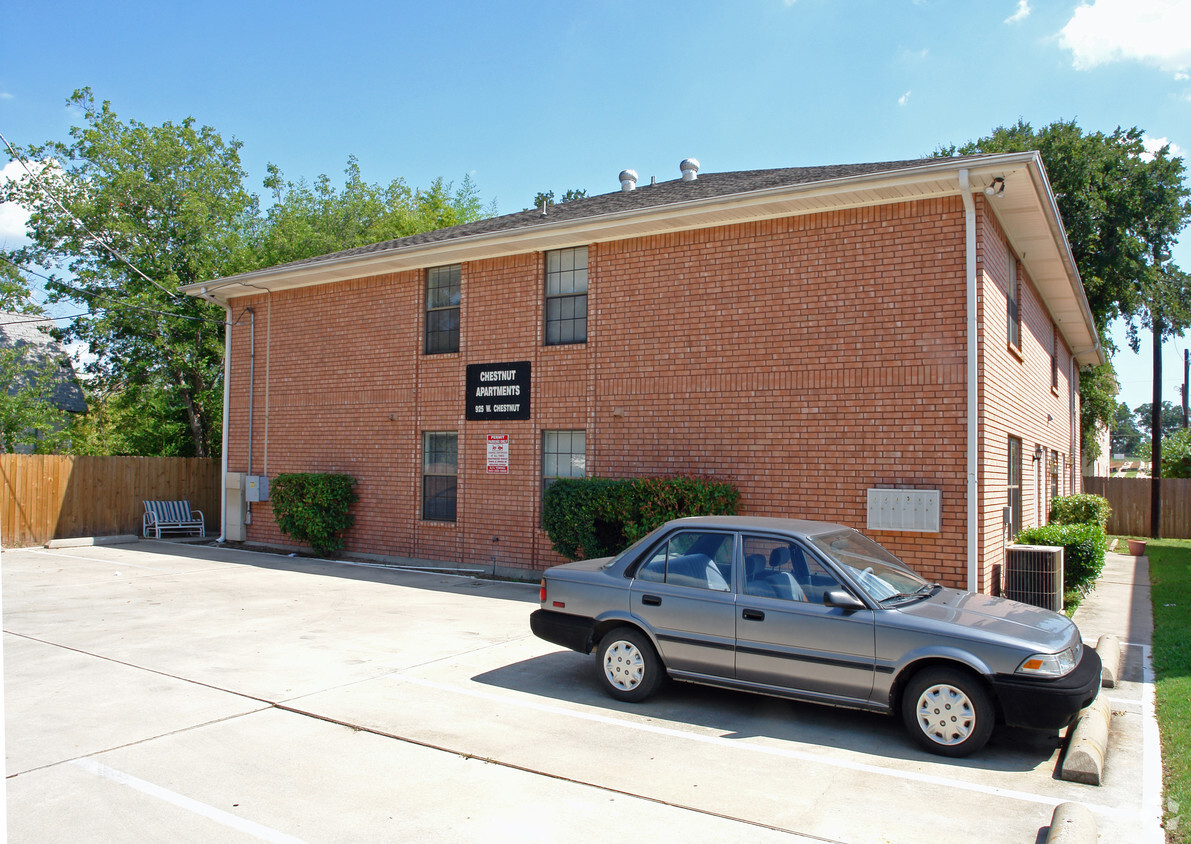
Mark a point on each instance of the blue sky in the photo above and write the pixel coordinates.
(530, 96)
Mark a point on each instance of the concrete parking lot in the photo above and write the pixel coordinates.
(162, 691)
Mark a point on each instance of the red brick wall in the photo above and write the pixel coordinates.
(805, 359)
(1017, 399)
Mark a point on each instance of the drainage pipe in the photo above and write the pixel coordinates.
(965, 192)
(227, 382)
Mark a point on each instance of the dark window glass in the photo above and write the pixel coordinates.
(566, 296)
(1013, 309)
(442, 309)
(439, 474)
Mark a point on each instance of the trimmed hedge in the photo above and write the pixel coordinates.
(1083, 555)
(587, 518)
(1080, 509)
(314, 508)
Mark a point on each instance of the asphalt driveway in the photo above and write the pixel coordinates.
(160, 691)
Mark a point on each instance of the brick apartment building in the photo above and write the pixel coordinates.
(818, 336)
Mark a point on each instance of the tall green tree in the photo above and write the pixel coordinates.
(126, 213)
(1125, 435)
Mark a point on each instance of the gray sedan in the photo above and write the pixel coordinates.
(817, 612)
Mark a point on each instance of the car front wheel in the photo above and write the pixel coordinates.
(629, 665)
(947, 711)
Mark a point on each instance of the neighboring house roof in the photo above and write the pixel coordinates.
(1026, 210)
(25, 330)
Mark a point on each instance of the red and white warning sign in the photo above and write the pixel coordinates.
(498, 454)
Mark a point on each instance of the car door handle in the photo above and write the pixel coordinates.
(651, 600)
(753, 615)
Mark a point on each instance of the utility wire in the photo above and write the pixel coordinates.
(112, 303)
(12, 151)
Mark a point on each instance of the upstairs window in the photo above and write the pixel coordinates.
(566, 296)
(1012, 301)
(1054, 357)
(442, 310)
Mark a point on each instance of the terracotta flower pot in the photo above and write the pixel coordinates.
(1137, 547)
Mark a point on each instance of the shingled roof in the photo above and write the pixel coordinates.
(23, 331)
(673, 192)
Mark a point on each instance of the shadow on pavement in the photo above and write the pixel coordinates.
(571, 678)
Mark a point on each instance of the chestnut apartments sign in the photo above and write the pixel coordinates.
(498, 390)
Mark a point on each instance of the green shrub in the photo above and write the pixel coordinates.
(1080, 509)
(588, 518)
(1083, 555)
(314, 508)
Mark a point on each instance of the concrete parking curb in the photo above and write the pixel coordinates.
(1072, 823)
(1084, 760)
(1109, 649)
(85, 541)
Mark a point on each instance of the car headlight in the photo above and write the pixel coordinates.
(1049, 665)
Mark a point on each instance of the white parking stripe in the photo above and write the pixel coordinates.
(210, 812)
(737, 744)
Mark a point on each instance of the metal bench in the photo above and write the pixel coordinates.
(172, 515)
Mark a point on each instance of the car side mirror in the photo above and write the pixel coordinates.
(843, 600)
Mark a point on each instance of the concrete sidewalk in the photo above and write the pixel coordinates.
(1120, 606)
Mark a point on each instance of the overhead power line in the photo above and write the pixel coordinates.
(50, 194)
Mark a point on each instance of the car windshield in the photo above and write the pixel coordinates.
(880, 574)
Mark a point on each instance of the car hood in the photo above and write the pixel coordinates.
(997, 618)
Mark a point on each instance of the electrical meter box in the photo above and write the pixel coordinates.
(256, 488)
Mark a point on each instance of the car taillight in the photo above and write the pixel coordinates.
(542, 592)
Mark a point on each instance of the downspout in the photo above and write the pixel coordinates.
(965, 192)
(227, 386)
(251, 399)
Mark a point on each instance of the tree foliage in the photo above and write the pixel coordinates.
(1172, 417)
(306, 220)
(1124, 433)
(167, 200)
(124, 213)
(28, 415)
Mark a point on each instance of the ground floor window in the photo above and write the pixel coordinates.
(440, 469)
(564, 455)
(1014, 487)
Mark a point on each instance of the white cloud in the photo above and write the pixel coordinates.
(12, 216)
(1149, 31)
(903, 99)
(1021, 13)
(1152, 145)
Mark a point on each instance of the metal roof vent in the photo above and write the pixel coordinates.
(690, 169)
(628, 180)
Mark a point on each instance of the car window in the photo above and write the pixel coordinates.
(698, 559)
(779, 568)
(875, 570)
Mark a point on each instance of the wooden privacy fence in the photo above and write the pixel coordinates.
(1130, 500)
(48, 496)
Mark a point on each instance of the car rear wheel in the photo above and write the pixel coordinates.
(629, 665)
(947, 711)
